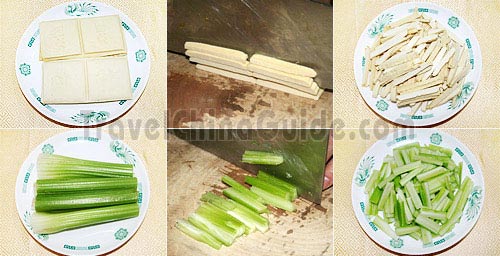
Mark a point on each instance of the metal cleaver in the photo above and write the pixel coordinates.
(299, 31)
(304, 152)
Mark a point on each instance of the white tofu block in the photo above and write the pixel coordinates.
(279, 87)
(221, 66)
(288, 77)
(282, 65)
(108, 79)
(216, 50)
(59, 38)
(64, 82)
(228, 62)
(226, 73)
(313, 89)
(102, 35)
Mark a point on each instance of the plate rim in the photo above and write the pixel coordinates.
(60, 121)
(146, 191)
(430, 122)
(360, 217)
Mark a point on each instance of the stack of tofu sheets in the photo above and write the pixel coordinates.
(262, 70)
(84, 61)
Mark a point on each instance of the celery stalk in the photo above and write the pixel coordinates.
(384, 226)
(278, 182)
(263, 158)
(57, 166)
(82, 200)
(245, 200)
(198, 234)
(56, 186)
(268, 187)
(274, 200)
(242, 189)
(49, 223)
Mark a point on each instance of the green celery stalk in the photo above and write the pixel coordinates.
(443, 193)
(56, 186)
(198, 234)
(430, 159)
(398, 159)
(426, 236)
(274, 200)
(268, 187)
(221, 218)
(245, 199)
(248, 217)
(49, 223)
(406, 156)
(372, 182)
(56, 166)
(224, 234)
(83, 200)
(242, 189)
(410, 176)
(445, 151)
(375, 196)
(263, 158)
(385, 195)
(431, 174)
(384, 226)
(425, 194)
(278, 182)
(430, 213)
(428, 224)
(414, 196)
(401, 231)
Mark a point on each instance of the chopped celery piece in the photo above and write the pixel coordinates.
(375, 196)
(198, 234)
(248, 217)
(425, 194)
(263, 158)
(278, 182)
(224, 234)
(242, 189)
(401, 231)
(414, 196)
(384, 226)
(429, 213)
(84, 184)
(51, 166)
(245, 200)
(83, 200)
(220, 218)
(431, 174)
(268, 187)
(385, 195)
(274, 200)
(428, 224)
(445, 151)
(49, 223)
(372, 182)
(439, 198)
(426, 236)
(410, 175)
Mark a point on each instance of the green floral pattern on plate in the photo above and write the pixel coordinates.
(363, 172)
(436, 138)
(140, 56)
(81, 9)
(397, 243)
(382, 105)
(462, 97)
(378, 26)
(48, 149)
(453, 22)
(474, 203)
(122, 152)
(89, 118)
(121, 234)
(25, 69)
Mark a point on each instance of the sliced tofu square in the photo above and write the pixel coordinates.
(64, 82)
(108, 79)
(103, 35)
(59, 38)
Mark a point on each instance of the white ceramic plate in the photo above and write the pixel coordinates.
(29, 67)
(373, 159)
(456, 25)
(93, 240)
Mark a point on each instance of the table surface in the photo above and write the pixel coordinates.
(192, 172)
(349, 236)
(482, 15)
(199, 99)
(15, 146)
(16, 15)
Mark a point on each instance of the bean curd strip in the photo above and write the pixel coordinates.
(416, 63)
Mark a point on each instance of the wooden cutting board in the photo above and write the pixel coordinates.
(192, 172)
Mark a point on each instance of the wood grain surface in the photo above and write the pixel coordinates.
(192, 172)
(199, 99)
